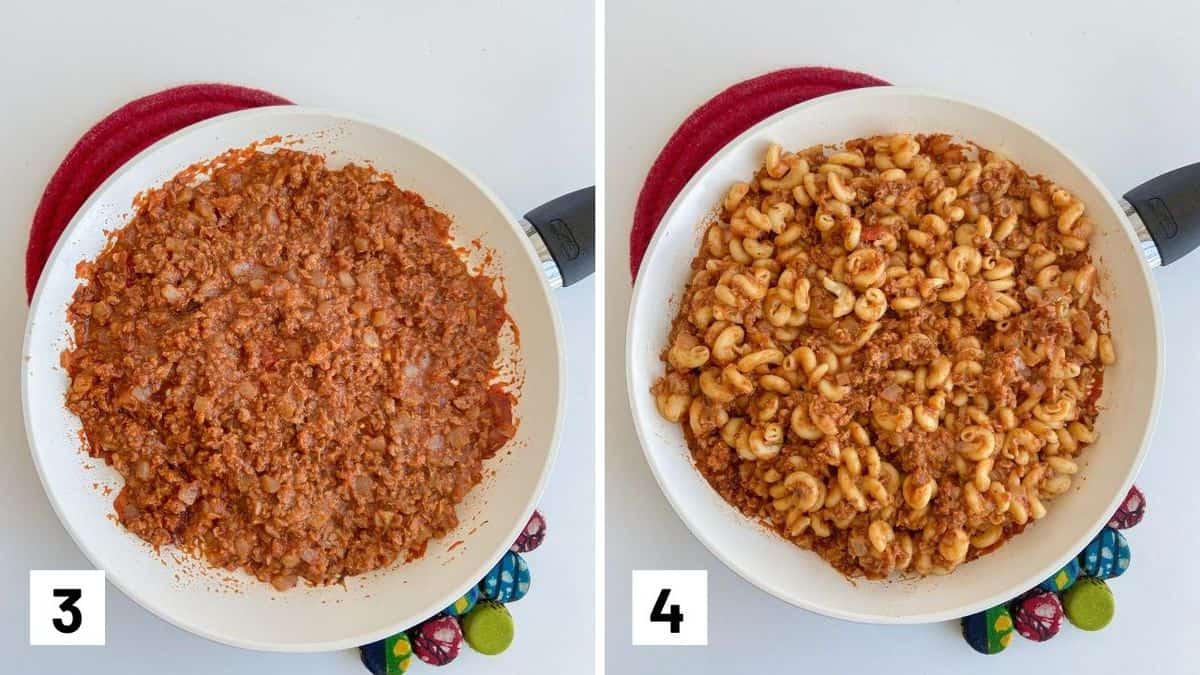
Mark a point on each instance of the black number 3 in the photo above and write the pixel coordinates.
(72, 596)
(675, 617)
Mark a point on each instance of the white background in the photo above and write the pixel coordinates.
(1113, 83)
(505, 89)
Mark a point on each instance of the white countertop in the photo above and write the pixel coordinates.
(504, 90)
(1117, 88)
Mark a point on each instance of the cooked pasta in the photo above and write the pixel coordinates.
(891, 351)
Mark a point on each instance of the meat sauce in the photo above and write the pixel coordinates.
(290, 366)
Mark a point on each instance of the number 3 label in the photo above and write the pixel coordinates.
(670, 607)
(66, 607)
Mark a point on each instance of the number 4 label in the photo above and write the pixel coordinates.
(66, 607)
(674, 617)
(670, 607)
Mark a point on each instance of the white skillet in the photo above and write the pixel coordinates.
(1131, 387)
(233, 608)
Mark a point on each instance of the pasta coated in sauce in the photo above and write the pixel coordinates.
(890, 352)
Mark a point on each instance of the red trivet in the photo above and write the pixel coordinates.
(717, 122)
(112, 142)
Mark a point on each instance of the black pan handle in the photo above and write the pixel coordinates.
(1165, 212)
(563, 231)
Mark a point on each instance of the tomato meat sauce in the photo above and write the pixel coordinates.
(290, 366)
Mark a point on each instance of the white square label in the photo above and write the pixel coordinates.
(66, 607)
(670, 607)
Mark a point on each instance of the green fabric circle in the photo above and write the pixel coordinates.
(1089, 604)
(488, 628)
(397, 653)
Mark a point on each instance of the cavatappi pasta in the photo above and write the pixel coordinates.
(890, 352)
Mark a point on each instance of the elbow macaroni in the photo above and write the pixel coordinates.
(891, 352)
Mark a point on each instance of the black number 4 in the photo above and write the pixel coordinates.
(72, 596)
(657, 614)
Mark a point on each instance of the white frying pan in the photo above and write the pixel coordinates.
(1126, 246)
(232, 607)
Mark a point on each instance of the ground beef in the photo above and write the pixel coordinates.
(290, 366)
